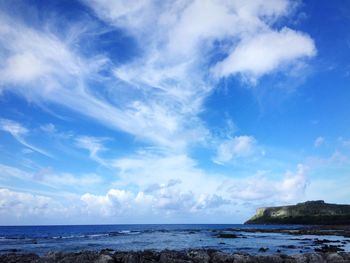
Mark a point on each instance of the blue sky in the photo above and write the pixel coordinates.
(171, 111)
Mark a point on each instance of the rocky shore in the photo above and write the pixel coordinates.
(327, 230)
(169, 256)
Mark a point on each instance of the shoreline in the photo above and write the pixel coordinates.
(172, 256)
(320, 230)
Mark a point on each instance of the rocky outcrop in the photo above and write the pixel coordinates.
(168, 256)
(308, 213)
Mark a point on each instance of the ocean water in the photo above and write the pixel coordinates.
(43, 239)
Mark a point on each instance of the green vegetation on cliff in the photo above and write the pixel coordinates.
(308, 213)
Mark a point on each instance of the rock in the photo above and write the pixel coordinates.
(150, 256)
(316, 258)
(199, 256)
(263, 249)
(221, 257)
(289, 246)
(301, 258)
(104, 259)
(169, 256)
(334, 257)
(227, 235)
(329, 249)
(131, 258)
(23, 258)
(173, 257)
(243, 258)
(270, 259)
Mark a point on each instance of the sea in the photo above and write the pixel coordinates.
(75, 238)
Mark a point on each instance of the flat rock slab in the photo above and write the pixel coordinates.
(170, 256)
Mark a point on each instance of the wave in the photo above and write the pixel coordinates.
(125, 232)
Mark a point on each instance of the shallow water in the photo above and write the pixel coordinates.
(42, 239)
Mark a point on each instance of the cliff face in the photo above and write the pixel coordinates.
(308, 213)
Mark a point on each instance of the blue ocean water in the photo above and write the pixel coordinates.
(43, 239)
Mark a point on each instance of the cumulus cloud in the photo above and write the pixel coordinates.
(239, 146)
(259, 188)
(154, 170)
(117, 202)
(172, 198)
(157, 187)
(19, 204)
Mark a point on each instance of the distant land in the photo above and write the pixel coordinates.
(307, 213)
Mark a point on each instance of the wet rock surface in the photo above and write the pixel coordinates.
(169, 256)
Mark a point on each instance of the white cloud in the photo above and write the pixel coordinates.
(18, 132)
(194, 194)
(147, 169)
(19, 204)
(94, 146)
(158, 96)
(319, 141)
(12, 127)
(157, 187)
(290, 187)
(266, 52)
(49, 128)
(117, 202)
(178, 40)
(49, 178)
(344, 142)
(293, 185)
(337, 158)
(239, 146)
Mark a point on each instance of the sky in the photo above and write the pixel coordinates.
(182, 111)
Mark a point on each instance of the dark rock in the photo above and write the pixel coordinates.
(329, 249)
(170, 256)
(227, 235)
(199, 256)
(23, 258)
(289, 246)
(269, 259)
(221, 257)
(263, 249)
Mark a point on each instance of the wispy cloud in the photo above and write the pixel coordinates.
(94, 146)
(18, 132)
(173, 76)
(344, 142)
(48, 177)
